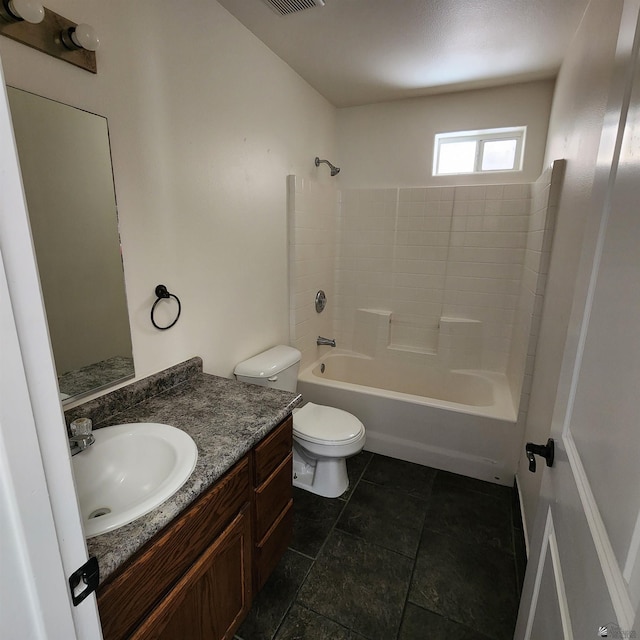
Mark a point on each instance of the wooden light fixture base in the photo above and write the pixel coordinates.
(45, 37)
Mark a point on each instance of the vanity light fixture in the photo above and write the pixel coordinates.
(83, 36)
(28, 22)
(17, 10)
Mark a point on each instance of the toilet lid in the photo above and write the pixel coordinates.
(318, 423)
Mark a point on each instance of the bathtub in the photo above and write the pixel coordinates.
(459, 421)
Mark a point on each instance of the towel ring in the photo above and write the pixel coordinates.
(163, 294)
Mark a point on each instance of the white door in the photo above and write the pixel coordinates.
(41, 525)
(33, 600)
(583, 578)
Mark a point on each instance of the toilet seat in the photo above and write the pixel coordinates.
(320, 424)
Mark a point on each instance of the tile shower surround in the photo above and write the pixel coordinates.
(408, 553)
(424, 253)
(545, 196)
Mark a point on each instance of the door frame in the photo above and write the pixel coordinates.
(543, 533)
(43, 448)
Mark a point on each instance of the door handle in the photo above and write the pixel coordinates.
(545, 451)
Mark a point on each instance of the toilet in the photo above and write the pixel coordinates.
(323, 437)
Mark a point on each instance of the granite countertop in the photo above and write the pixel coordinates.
(225, 418)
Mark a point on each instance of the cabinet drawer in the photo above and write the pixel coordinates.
(130, 594)
(273, 450)
(272, 496)
(274, 544)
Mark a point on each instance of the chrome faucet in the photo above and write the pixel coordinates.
(80, 443)
(81, 436)
(325, 341)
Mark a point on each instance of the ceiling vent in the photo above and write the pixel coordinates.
(285, 7)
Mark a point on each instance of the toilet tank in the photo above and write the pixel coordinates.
(276, 368)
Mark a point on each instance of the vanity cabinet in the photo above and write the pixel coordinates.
(195, 579)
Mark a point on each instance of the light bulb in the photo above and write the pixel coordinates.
(29, 10)
(85, 36)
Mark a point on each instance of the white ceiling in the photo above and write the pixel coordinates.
(358, 52)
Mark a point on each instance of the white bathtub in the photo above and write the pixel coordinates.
(460, 421)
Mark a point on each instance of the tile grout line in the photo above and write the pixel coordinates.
(313, 560)
(407, 600)
(415, 559)
(294, 599)
(438, 478)
(333, 527)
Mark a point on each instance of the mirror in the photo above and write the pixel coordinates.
(65, 160)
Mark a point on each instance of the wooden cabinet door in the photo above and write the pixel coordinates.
(131, 594)
(212, 598)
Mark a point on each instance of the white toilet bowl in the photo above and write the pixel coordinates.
(323, 437)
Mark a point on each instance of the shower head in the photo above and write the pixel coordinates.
(334, 170)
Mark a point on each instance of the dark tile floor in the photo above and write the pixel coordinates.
(408, 553)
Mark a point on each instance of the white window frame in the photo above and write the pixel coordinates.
(482, 136)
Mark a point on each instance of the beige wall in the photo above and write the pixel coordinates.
(575, 130)
(205, 125)
(391, 144)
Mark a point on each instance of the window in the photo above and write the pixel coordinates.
(478, 151)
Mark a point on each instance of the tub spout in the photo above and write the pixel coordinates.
(325, 341)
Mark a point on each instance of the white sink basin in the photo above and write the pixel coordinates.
(129, 471)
